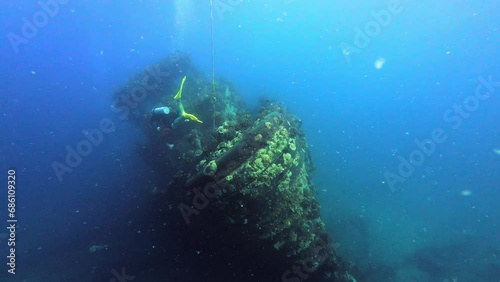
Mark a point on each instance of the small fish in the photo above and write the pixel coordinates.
(496, 151)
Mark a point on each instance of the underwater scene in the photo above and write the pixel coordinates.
(250, 141)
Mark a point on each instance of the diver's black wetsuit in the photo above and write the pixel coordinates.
(161, 119)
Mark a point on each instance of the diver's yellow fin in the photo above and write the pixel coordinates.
(179, 93)
(191, 117)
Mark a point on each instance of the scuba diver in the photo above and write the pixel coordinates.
(161, 119)
(164, 120)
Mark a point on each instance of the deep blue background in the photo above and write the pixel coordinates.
(357, 118)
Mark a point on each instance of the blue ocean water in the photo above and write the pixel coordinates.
(399, 102)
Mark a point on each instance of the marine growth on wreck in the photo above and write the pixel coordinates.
(237, 185)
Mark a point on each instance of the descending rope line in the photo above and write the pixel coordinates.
(212, 42)
(213, 60)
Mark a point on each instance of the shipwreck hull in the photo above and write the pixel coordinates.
(242, 205)
(254, 196)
